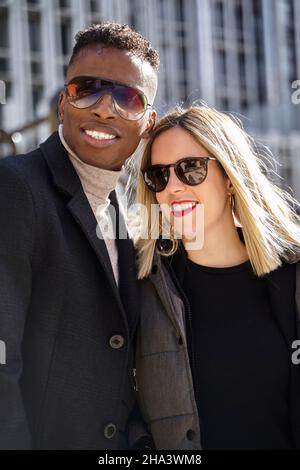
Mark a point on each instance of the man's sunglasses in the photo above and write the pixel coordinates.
(190, 171)
(84, 91)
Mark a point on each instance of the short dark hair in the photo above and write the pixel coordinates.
(119, 36)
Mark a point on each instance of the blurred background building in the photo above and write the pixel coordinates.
(241, 56)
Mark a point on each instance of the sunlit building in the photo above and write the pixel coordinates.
(241, 56)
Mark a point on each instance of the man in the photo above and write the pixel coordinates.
(69, 299)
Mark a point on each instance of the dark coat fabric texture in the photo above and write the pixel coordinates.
(69, 331)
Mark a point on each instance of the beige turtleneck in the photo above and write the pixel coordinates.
(97, 185)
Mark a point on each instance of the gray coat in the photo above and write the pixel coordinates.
(163, 372)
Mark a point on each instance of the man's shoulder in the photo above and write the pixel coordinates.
(20, 162)
(28, 167)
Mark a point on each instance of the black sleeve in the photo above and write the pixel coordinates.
(16, 243)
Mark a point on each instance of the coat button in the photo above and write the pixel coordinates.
(190, 434)
(116, 341)
(110, 430)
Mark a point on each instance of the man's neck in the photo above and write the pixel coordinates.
(96, 182)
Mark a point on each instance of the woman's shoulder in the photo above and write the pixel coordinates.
(292, 257)
(291, 263)
(285, 279)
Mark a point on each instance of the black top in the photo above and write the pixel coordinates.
(242, 361)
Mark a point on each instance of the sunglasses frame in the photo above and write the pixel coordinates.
(175, 166)
(112, 84)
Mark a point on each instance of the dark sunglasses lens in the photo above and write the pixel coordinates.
(130, 103)
(156, 178)
(83, 93)
(192, 171)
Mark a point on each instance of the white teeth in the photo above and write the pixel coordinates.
(183, 207)
(100, 135)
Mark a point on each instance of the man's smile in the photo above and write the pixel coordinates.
(99, 136)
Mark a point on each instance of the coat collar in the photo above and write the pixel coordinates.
(67, 181)
(63, 173)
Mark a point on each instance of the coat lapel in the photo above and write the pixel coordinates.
(84, 216)
(129, 286)
(67, 181)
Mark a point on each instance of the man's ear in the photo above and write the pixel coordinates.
(61, 106)
(150, 125)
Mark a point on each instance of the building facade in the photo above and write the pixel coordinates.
(241, 56)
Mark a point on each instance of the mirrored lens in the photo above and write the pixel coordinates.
(192, 171)
(83, 93)
(129, 102)
(156, 178)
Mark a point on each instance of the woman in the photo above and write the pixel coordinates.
(220, 310)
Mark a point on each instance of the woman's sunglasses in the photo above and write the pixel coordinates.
(83, 92)
(190, 171)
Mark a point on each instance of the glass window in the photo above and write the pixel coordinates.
(259, 51)
(238, 10)
(242, 69)
(36, 68)
(8, 89)
(224, 104)
(244, 104)
(65, 69)
(64, 3)
(222, 63)
(34, 26)
(219, 14)
(37, 93)
(65, 29)
(3, 27)
(94, 6)
(239, 16)
(4, 64)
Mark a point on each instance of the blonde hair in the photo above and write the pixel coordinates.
(269, 223)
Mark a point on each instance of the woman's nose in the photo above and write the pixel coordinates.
(174, 184)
